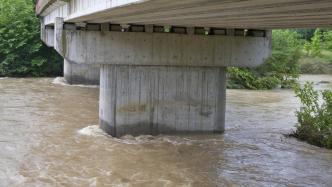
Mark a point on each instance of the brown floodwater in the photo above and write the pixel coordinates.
(49, 136)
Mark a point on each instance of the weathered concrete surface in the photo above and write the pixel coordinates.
(140, 48)
(47, 35)
(161, 99)
(59, 37)
(85, 74)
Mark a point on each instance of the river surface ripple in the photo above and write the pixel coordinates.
(49, 137)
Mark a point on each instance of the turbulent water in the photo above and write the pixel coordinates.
(49, 137)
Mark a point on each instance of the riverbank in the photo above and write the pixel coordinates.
(316, 65)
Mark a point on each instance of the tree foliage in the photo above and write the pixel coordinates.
(305, 34)
(315, 46)
(21, 51)
(328, 40)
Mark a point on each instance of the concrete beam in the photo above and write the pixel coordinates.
(140, 48)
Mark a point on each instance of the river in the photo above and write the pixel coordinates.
(49, 136)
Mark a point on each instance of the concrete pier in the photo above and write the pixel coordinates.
(162, 99)
(74, 73)
(86, 74)
(158, 82)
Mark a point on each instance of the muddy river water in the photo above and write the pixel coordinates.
(49, 136)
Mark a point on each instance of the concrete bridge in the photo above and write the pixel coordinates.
(162, 62)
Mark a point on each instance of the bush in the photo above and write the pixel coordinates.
(314, 117)
(241, 78)
(21, 51)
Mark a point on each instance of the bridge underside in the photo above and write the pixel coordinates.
(162, 62)
(249, 14)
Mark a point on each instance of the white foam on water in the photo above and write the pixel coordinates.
(96, 131)
(3, 78)
(92, 130)
(62, 81)
(146, 139)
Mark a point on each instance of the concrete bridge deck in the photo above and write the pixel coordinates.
(249, 14)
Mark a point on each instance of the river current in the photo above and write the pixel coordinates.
(49, 136)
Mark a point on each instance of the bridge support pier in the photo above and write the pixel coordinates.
(156, 81)
(86, 74)
(161, 99)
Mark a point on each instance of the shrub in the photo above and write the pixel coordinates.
(314, 116)
(242, 78)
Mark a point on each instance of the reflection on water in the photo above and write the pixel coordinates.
(49, 137)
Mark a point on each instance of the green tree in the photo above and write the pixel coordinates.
(316, 43)
(21, 51)
(306, 34)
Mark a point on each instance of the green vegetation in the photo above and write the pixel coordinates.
(21, 51)
(314, 48)
(314, 116)
(280, 69)
(317, 65)
(294, 52)
(317, 58)
(328, 40)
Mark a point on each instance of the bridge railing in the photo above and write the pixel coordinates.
(41, 5)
